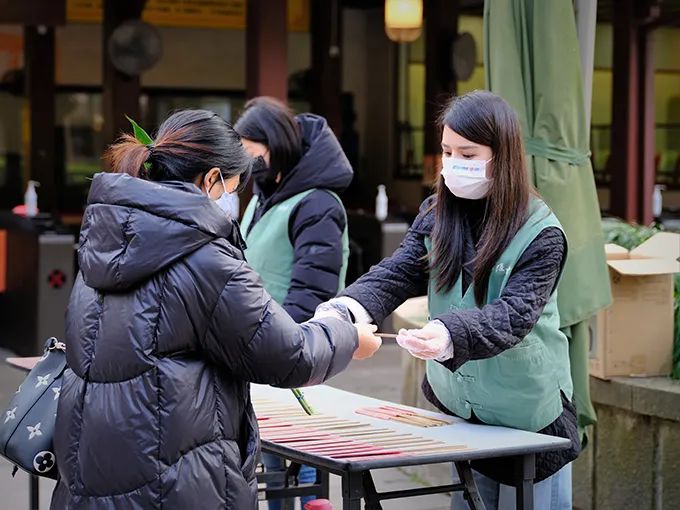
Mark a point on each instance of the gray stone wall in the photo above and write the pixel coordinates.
(633, 459)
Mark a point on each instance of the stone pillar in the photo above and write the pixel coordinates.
(121, 92)
(40, 89)
(441, 27)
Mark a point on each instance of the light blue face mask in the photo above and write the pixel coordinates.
(228, 202)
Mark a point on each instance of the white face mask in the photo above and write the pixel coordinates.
(226, 201)
(466, 178)
(229, 203)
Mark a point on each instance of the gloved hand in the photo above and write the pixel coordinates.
(358, 312)
(431, 342)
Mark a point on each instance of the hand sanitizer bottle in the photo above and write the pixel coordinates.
(657, 201)
(381, 204)
(31, 199)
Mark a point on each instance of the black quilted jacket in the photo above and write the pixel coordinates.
(165, 328)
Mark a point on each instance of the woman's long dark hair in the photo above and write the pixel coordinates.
(188, 144)
(270, 122)
(486, 119)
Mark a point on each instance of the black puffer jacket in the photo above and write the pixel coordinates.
(165, 327)
(316, 223)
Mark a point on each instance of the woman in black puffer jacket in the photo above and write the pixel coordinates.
(166, 327)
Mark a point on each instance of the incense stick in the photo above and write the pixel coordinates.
(343, 438)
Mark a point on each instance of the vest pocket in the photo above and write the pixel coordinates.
(521, 368)
(531, 348)
(527, 393)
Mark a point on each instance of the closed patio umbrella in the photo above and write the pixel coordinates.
(532, 60)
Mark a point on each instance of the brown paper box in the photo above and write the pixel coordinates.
(634, 336)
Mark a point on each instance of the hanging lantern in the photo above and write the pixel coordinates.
(403, 19)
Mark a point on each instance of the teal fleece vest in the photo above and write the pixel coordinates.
(521, 386)
(270, 252)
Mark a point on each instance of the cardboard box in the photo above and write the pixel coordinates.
(634, 336)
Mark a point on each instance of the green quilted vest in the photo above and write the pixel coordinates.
(521, 386)
(270, 252)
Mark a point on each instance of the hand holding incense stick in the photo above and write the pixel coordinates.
(303, 403)
(369, 343)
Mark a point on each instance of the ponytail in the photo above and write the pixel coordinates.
(128, 156)
(188, 144)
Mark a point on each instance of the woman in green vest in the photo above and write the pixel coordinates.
(295, 226)
(488, 253)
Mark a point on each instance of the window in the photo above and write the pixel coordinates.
(79, 119)
(667, 105)
(411, 96)
(79, 139)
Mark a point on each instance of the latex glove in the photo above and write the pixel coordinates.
(431, 342)
(368, 342)
(358, 312)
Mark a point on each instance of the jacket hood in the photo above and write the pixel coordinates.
(323, 163)
(134, 228)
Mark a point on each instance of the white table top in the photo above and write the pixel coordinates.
(483, 441)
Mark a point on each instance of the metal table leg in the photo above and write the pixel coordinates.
(471, 493)
(371, 497)
(323, 480)
(352, 491)
(34, 492)
(526, 472)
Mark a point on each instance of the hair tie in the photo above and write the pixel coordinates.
(150, 147)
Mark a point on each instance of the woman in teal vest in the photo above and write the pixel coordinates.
(295, 226)
(489, 253)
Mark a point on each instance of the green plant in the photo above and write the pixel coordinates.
(626, 235)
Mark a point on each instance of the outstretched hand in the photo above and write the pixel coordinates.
(431, 342)
(368, 342)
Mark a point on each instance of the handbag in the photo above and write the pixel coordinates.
(27, 425)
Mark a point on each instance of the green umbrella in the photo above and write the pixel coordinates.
(532, 60)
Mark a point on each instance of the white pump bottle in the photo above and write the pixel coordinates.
(381, 204)
(31, 199)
